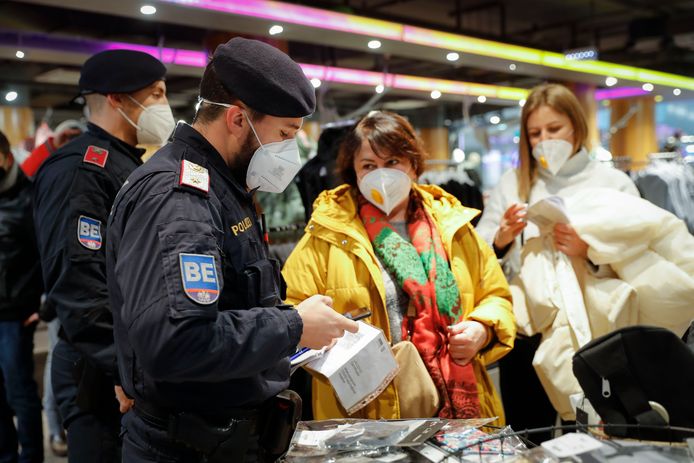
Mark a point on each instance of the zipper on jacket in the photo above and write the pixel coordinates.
(606, 392)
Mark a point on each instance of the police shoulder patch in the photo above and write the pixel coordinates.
(199, 275)
(95, 155)
(89, 233)
(195, 176)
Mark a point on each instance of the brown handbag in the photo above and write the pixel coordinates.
(417, 392)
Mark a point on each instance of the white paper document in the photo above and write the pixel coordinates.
(305, 356)
(548, 212)
(359, 366)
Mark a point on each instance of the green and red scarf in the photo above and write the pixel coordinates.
(421, 268)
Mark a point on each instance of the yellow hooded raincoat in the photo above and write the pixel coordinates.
(336, 258)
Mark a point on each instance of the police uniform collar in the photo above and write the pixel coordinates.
(188, 135)
(135, 152)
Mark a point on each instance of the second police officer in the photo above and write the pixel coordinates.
(202, 336)
(74, 190)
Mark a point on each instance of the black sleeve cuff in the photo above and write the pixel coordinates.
(500, 253)
(295, 326)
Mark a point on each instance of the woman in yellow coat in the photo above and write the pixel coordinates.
(408, 253)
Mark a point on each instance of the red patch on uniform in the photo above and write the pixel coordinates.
(96, 156)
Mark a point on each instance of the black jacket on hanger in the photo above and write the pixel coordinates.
(318, 173)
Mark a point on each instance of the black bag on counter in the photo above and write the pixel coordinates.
(639, 375)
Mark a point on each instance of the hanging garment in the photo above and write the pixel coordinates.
(318, 173)
(669, 185)
(463, 184)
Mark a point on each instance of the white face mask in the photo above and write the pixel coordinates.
(552, 154)
(385, 188)
(273, 165)
(154, 125)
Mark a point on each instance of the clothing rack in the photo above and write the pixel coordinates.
(338, 124)
(288, 228)
(626, 162)
(668, 182)
(667, 156)
(444, 162)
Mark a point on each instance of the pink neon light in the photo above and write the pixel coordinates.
(359, 25)
(198, 59)
(296, 14)
(616, 93)
(403, 82)
(177, 56)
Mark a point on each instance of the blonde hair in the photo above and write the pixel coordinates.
(562, 100)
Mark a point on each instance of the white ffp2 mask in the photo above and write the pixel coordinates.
(154, 125)
(553, 154)
(385, 188)
(273, 165)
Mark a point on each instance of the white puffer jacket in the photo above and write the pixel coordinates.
(645, 275)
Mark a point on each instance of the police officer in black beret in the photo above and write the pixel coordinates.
(74, 190)
(203, 338)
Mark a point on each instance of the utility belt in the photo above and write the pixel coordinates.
(226, 438)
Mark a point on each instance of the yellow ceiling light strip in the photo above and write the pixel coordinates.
(370, 27)
(465, 44)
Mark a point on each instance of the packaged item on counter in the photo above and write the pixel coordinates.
(461, 440)
(332, 438)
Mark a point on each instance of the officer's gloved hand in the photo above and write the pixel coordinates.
(322, 325)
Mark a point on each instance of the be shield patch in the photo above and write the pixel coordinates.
(199, 275)
(89, 233)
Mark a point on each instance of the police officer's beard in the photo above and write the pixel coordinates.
(240, 162)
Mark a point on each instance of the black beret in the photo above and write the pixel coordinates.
(264, 78)
(119, 71)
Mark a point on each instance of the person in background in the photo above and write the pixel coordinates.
(64, 132)
(56, 434)
(73, 193)
(553, 152)
(409, 253)
(20, 298)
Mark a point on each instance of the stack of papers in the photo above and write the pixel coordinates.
(548, 212)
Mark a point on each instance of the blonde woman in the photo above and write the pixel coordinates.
(554, 160)
(553, 151)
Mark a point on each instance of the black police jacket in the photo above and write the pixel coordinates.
(196, 301)
(73, 193)
(20, 272)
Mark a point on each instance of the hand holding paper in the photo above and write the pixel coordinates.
(550, 216)
(321, 323)
(548, 212)
(512, 224)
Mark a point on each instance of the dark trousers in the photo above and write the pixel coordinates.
(93, 435)
(526, 404)
(19, 396)
(145, 443)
